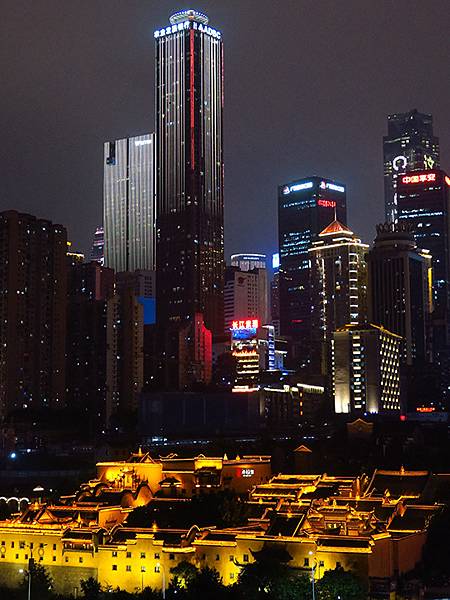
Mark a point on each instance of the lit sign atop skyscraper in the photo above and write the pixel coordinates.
(422, 178)
(326, 203)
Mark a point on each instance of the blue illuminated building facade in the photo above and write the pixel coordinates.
(305, 208)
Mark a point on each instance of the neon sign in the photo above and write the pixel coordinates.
(297, 187)
(245, 324)
(332, 186)
(423, 178)
(247, 472)
(399, 162)
(447, 180)
(326, 203)
(187, 25)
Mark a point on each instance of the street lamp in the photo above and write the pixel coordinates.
(313, 571)
(163, 573)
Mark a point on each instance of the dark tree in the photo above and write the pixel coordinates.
(91, 589)
(41, 582)
(339, 583)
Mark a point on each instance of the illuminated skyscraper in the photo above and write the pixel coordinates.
(305, 208)
(129, 203)
(409, 145)
(189, 105)
(338, 284)
(424, 205)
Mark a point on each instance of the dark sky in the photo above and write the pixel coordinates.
(308, 87)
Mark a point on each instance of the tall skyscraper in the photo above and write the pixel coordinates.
(305, 208)
(275, 293)
(246, 289)
(338, 284)
(400, 289)
(424, 205)
(129, 203)
(189, 106)
(33, 283)
(366, 369)
(98, 246)
(409, 145)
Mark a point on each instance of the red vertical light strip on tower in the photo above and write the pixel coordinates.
(192, 94)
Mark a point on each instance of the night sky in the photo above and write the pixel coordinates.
(308, 85)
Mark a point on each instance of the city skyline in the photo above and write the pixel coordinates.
(290, 145)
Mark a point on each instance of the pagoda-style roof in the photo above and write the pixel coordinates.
(336, 227)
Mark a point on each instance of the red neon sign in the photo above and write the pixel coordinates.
(423, 178)
(245, 324)
(326, 203)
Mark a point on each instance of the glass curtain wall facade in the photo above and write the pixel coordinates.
(189, 107)
(129, 203)
(305, 208)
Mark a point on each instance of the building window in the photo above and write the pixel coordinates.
(128, 568)
(231, 575)
(80, 559)
(306, 562)
(142, 554)
(321, 563)
(66, 559)
(245, 557)
(3, 542)
(114, 553)
(157, 569)
(17, 557)
(231, 558)
(217, 557)
(114, 567)
(21, 545)
(54, 558)
(128, 554)
(54, 546)
(26, 556)
(142, 569)
(157, 555)
(12, 544)
(171, 556)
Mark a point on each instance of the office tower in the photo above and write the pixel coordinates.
(408, 146)
(195, 350)
(275, 294)
(423, 204)
(89, 287)
(338, 280)
(305, 208)
(366, 369)
(125, 357)
(248, 262)
(400, 289)
(129, 203)
(98, 246)
(33, 283)
(189, 106)
(245, 293)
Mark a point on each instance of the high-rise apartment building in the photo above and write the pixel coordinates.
(129, 203)
(125, 357)
(400, 289)
(409, 145)
(366, 369)
(189, 108)
(89, 287)
(98, 246)
(33, 283)
(305, 208)
(338, 280)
